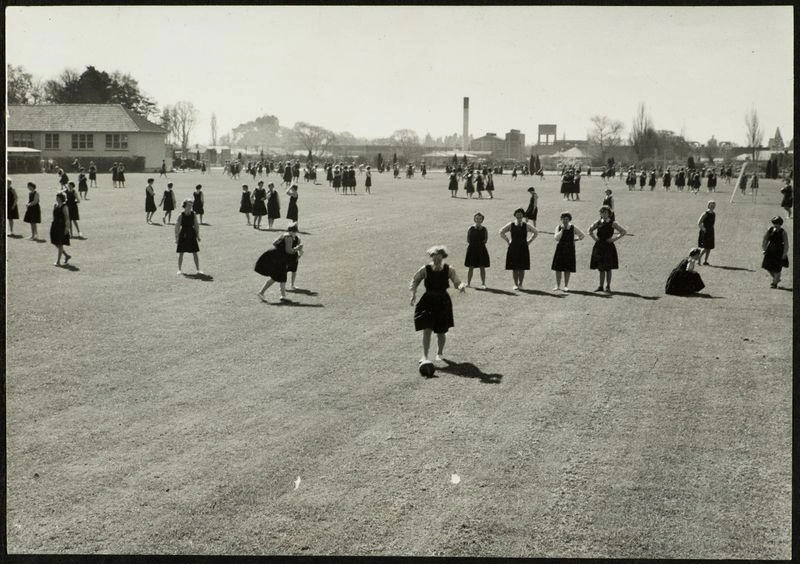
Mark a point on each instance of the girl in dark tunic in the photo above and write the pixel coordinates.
(518, 257)
(609, 201)
(92, 174)
(775, 246)
(259, 204)
(604, 253)
(434, 311)
(453, 186)
(83, 185)
(788, 197)
(121, 175)
(477, 254)
(33, 212)
(168, 204)
(564, 257)
(337, 179)
(291, 211)
(683, 280)
(12, 208)
(533, 206)
(63, 179)
(468, 185)
(72, 206)
(274, 263)
(149, 201)
(490, 185)
(479, 184)
(198, 206)
(59, 229)
(667, 180)
(329, 174)
(368, 181)
(705, 240)
(287, 173)
(114, 175)
(711, 181)
(642, 179)
(273, 204)
(651, 180)
(245, 205)
(187, 235)
(293, 260)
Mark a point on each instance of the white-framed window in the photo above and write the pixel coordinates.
(82, 141)
(21, 139)
(51, 141)
(116, 141)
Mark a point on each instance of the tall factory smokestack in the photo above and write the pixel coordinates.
(465, 136)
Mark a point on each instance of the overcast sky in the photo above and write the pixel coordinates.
(373, 70)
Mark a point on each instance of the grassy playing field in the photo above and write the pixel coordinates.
(151, 413)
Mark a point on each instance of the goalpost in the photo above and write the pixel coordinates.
(738, 180)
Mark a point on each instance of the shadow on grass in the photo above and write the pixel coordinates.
(40, 240)
(585, 293)
(729, 267)
(15, 236)
(496, 291)
(634, 295)
(697, 295)
(70, 267)
(540, 293)
(784, 289)
(469, 370)
(198, 276)
(291, 303)
(156, 224)
(303, 291)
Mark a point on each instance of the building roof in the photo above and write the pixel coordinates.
(104, 118)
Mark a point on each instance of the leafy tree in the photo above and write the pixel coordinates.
(690, 163)
(604, 135)
(643, 136)
(754, 133)
(314, 138)
(711, 149)
(22, 88)
(98, 87)
(263, 131)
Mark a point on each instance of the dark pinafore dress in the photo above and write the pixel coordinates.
(477, 253)
(604, 253)
(187, 236)
(705, 239)
(518, 255)
(564, 256)
(434, 310)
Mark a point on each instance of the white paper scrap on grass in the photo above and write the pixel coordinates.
(455, 479)
(297, 483)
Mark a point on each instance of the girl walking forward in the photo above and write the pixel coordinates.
(453, 185)
(83, 185)
(187, 235)
(705, 240)
(198, 206)
(274, 263)
(273, 204)
(368, 181)
(72, 207)
(775, 247)
(490, 185)
(788, 197)
(477, 254)
(518, 256)
(59, 229)
(149, 201)
(604, 253)
(168, 204)
(33, 211)
(259, 204)
(564, 257)
(291, 210)
(245, 206)
(434, 311)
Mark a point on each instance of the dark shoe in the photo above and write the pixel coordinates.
(67, 257)
(599, 289)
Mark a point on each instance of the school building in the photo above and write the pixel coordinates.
(103, 133)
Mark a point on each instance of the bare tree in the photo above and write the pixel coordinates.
(407, 141)
(643, 137)
(605, 134)
(314, 138)
(183, 117)
(754, 134)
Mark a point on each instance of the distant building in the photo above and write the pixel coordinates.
(512, 147)
(515, 145)
(490, 142)
(103, 133)
(776, 142)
